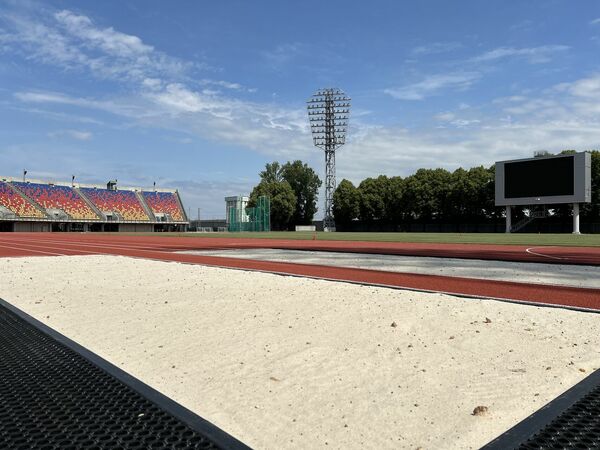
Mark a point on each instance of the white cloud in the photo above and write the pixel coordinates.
(595, 21)
(565, 117)
(450, 119)
(223, 84)
(588, 88)
(432, 84)
(463, 123)
(445, 116)
(162, 94)
(152, 83)
(282, 54)
(534, 55)
(108, 40)
(436, 48)
(73, 42)
(74, 134)
(122, 106)
(398, 151)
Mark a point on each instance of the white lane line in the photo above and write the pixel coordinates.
(110, 250)
(529, 250)
(64, 244)
(60, 242)
(31, 250)
(35, 245)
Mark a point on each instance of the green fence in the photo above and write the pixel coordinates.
(257, 218)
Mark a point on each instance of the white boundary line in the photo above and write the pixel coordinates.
(31, 250)
(36, 244)
(529, 250)
(66, 243)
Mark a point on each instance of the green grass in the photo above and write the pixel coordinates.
(584, 240)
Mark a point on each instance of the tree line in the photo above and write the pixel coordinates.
(428, 195)
(438, 195)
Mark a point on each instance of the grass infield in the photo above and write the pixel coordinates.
(570, 240)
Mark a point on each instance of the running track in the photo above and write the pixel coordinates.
(164, 248)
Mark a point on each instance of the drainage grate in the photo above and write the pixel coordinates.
(54, 394)
(571, 421)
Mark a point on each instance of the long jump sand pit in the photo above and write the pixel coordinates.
(289, 362)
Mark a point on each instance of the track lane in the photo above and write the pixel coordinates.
(546, 254)
(162, 251)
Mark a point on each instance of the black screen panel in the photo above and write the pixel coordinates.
(540, 178)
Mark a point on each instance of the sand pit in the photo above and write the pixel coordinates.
(287, 362)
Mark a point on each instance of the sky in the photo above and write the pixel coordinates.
(199, 95)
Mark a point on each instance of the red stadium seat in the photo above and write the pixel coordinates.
(58, 197)
(165, 203)
(17, 204)
(125, 203)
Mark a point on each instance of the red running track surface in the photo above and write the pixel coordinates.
(163, 248)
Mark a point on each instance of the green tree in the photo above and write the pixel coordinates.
(492, 211)
(395, 202)
(469, 194)
(373, 195)
(427, 194)
(346, 203)
(283, 201)
(273, 173)
(305, 183)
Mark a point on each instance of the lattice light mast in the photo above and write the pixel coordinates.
(328, 113)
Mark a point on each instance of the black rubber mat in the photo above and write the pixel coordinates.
(55, 394)
(571, 421)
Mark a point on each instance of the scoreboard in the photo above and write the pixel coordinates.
(544, 180)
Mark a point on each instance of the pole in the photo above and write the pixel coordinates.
(508, 218)
(576, 218)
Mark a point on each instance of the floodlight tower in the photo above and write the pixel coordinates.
(328, 113)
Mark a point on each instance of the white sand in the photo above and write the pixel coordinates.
(554, 274)
(285, 362)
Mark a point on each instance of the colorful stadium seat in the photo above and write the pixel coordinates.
(125, 203)
(58, 197)
(166, 203)
(17, 204)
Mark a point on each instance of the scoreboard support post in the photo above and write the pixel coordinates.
(508, 218)
(576, 218)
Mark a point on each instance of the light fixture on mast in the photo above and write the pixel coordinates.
(328, 113)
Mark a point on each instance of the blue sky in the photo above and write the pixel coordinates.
(200, 95)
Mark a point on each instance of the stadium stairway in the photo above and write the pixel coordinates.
(533, 214)
(185, 217)
(145, 206)
(28, 199)
(90, 204)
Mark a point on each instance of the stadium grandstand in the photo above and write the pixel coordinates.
(42, 206)
(15, 206)
(124, 203)
(164, 203)
(58, 197)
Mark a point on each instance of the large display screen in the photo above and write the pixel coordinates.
(539, 178)
(544, 180)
